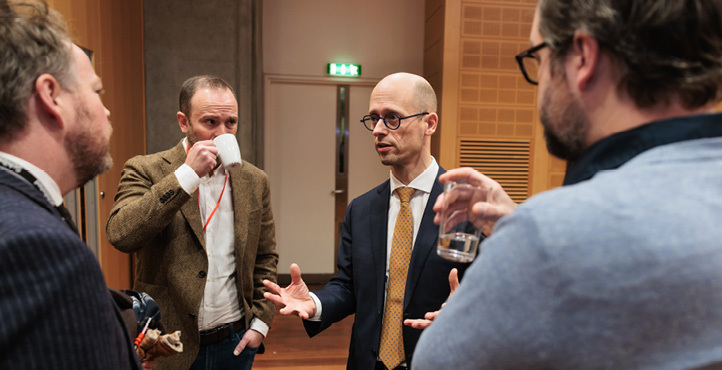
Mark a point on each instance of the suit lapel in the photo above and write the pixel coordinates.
(378, 222)
(425, 243)
(190, 210)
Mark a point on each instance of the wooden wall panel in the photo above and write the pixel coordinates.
(113, 30)
(484, 97)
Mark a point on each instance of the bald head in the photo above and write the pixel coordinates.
(414, 89)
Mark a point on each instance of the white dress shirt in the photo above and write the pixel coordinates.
(220, 303)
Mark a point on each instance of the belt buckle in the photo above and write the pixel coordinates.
(212, 330)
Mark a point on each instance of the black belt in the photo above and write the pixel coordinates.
(220, 333)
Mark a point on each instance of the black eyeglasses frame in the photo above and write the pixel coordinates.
(529, 53)
(370, 117)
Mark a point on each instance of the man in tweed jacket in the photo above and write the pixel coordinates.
(204, 235)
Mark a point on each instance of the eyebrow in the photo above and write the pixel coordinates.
(216, 116)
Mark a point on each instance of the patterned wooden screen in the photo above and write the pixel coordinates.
(506, 161)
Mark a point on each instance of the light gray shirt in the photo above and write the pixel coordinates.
(621, 271)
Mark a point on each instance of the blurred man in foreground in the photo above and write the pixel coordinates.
(620, 267)
(54, 135)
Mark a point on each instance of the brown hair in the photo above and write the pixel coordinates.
(191, 85)
(661, 48)
(33, 40)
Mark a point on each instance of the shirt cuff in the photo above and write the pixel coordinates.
(187, 178)
(259, 326)
(317, 316)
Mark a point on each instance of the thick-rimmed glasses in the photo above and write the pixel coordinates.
(529, 63)
(391, 120)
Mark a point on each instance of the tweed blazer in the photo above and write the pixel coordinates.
(155, 218)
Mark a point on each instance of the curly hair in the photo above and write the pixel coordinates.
(661, 48)
(33, 40)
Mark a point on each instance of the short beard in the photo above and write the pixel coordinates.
(89, 156)
(565, 137)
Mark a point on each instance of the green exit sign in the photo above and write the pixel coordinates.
(344, 69)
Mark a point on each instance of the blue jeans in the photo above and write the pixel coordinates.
(219, 356)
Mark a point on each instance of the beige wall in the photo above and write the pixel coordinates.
(301, 36)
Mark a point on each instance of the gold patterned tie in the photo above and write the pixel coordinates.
(391, 351)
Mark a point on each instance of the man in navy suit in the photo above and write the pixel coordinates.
(402, 117)
(54, 134)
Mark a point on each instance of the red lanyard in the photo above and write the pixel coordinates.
(219, 198)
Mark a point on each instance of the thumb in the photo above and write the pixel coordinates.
(453, 279)
(295, 274)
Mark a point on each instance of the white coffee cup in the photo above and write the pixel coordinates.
(228, 150)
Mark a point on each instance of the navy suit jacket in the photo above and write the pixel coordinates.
(56, 310)
(359, 287)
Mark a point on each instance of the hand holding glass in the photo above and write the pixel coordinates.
(459, 230)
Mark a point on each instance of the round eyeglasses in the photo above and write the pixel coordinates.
(391, 120)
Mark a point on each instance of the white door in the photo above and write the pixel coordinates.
(365, 168)
(300, 159)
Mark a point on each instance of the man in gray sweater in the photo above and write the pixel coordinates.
(621, 267)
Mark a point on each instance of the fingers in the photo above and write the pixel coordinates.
(241, 346)
(273, 287)
(290, 311)
(489, 212)
(202, 157)
(417, 323)
(275, 299)
(251, 338)
(453, 280)
(466, 174)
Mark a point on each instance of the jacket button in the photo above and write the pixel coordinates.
(192, 316)
(202, 274)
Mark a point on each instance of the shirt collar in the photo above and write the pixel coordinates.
(52, 192)
(424, 182)
(617, 149)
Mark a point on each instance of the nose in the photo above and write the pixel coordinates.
(107, 112)
(380, 128)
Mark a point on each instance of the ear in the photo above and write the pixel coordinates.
(432, 122)
(50, 98)
(586, 59)
(182, 122)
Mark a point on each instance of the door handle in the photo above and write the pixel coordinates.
(338, 191)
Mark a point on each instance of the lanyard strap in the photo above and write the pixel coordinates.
(198, 196)
(27, 176)
(217, 204)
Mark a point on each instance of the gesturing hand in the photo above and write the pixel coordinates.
(430, 316)
(293, 299)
